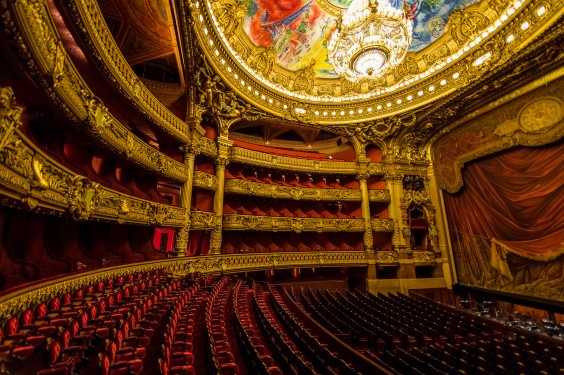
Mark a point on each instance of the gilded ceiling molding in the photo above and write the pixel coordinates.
(475, 38)
(37, 43)
(31, 180)
(28, 297)
(286, 224)
(531, 120)
(204, 181)
(202, 220)
(101, 44)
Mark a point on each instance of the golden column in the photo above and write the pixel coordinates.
(395, 184)
(182, 235)
(362, 177)
(220, 163)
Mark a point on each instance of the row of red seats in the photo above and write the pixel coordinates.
(235, 242)
(101, 319)
(177, 357)
(236, 205)
(291, 179)
(279, 340)
(248, 335)
(282, 152)
(317, 351)
(222, 359)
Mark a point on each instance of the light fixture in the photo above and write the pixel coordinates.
(371, 38)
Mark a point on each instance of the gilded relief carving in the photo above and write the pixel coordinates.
(39, 47)
(267, 223)
(205, 181)
(386, 257)
(203, 220)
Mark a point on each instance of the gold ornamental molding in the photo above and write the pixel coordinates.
(202, 220)
(31, 180)
(207, 147)
(204, 181)
(424, 257)
(35, 40)
(242, 155)
(382, 225)
(534, 119)
(107, 55)
(478, 38)
(28, 297)
(289, 224)
(386, 257)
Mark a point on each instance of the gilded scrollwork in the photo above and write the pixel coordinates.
(382, 225)
(237, 186)
(285, 224)
(386, 257)
(203, 220)
(415, 197)
(423, 256)
(204, 180)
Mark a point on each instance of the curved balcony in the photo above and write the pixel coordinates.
(53, 70)
(287, 224)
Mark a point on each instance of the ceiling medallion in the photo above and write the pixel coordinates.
(371, 38)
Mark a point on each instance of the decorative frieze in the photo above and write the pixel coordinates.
(386, 257)
(201, 220)
(288, 224)
(204, 180)
(382, 225)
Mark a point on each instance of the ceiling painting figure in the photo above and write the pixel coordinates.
(299, 30)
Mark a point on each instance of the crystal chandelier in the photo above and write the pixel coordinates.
(371, 38)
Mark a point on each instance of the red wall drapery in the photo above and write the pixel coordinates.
(516, 200)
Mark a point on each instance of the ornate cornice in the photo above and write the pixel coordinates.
(31, 180)
(382, 225)
(201, 220)
(28, 297)
(205, 180)
(37, 44)
(449, 64)
(100, 43)
(286, 224)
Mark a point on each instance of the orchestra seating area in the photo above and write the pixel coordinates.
(154, 322)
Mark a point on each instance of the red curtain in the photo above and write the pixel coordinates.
(516, 200)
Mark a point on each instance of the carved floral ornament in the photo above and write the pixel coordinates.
(298, 225)
(454, 59)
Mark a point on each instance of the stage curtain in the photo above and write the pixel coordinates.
(516, 200)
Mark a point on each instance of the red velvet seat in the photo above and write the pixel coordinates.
(178, 370)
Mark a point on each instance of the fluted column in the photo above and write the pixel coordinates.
(182, 235)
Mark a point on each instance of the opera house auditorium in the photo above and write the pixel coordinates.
(281, 187)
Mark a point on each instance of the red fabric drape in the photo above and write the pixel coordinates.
(515, 199)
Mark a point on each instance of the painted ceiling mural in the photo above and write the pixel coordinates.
(299, 30)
